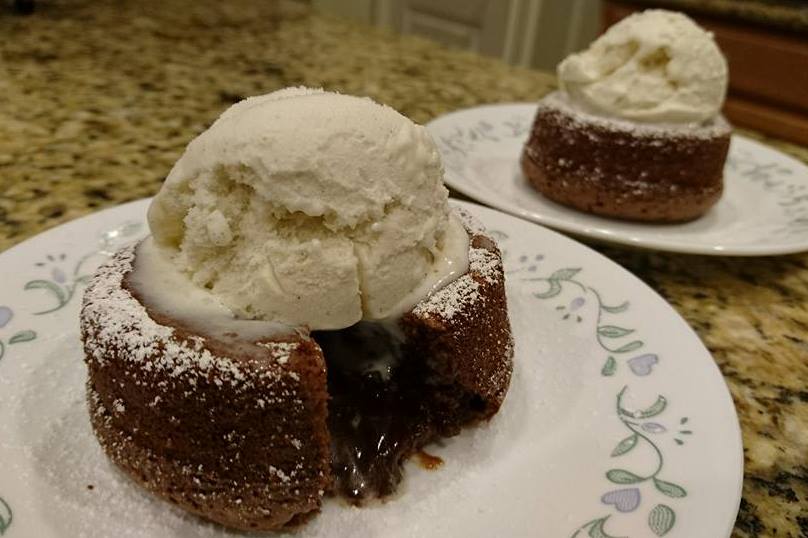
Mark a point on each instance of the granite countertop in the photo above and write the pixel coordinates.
(98, 99)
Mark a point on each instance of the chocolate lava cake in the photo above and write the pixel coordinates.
(624, 169)
(253, 432)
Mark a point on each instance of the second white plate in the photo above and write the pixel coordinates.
(764, 209)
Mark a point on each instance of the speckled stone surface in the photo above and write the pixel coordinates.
(98, 99)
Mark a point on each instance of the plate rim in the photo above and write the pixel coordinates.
(631, 279)
(587, 231)
(54, 228)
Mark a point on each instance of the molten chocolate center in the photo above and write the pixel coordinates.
(378, 415)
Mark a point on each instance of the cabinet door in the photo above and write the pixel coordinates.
(476, 25)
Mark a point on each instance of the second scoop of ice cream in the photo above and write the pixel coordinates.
(311, 208)
(654, 66)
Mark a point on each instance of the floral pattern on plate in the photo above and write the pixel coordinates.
(643, 425)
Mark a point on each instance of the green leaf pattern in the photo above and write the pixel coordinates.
(621, 476)
(657, 408)
(631, 346)
(609, 368)
(61, 294)
(6, 516)
(22, 336)
(612, 339)
(661, 519)
(552, 291)
(619, 309)
(565, 274)
(670, 489)
(594, 529)
(17, 338)
(61, 289)
(613, 331)
(597, 530)
(626, 445)
(653, 410)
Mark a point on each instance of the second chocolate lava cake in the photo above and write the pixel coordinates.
(618, 168)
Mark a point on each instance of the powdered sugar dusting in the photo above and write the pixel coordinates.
(452, 299)
(472, 224)
(485, 268)
(281, 351)
(112, 319)
(486, 264)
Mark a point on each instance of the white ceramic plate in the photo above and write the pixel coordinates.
(764, 209)
(617, 423)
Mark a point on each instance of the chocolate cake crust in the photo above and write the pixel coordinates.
(619, 169)
(234, 432)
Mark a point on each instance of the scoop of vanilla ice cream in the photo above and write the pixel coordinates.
(308, 207)
(653, 66)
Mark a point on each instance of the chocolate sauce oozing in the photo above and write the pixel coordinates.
(378, 413)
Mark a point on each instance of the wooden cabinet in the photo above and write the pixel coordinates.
(768, 70)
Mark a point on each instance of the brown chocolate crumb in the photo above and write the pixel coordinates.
(428, 461)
